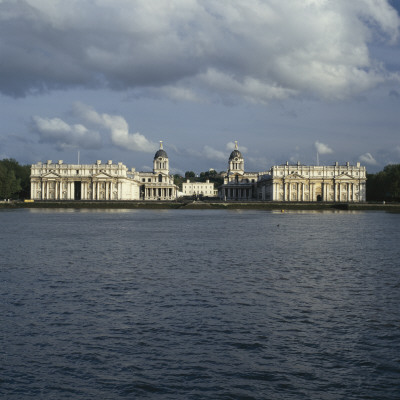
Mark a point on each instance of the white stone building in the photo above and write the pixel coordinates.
(238, 184)
(302, 183)
(159, 184)
(59, 181)
(198, 188)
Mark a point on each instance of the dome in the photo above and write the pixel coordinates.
(161, 152)
(235, 154)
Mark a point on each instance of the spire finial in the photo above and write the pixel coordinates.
(161, 144)
(236, 146)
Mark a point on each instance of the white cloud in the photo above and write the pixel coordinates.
(368, 159)
(249, 50)
(322, 148)
(118, 127)
(57, 131)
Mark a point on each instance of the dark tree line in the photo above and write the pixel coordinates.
(14, 180)
(384, 185)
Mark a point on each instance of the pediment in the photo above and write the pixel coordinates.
(344, 177)
(102, 175)
(294, 175)
(51, 175)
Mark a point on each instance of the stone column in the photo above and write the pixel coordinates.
(34, 187)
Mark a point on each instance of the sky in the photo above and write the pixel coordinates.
(295, 80)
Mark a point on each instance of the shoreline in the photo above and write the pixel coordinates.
(217, 205)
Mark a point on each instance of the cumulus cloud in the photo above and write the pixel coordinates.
(188, 49)
(368, 159)
(322, 148)
(64, 135)
(118, 128)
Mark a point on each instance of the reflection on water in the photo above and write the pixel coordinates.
(80, 210)
(199, 304)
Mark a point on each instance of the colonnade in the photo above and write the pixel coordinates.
(309, 191)
(155, 193)
(65, 190)
(237, 193)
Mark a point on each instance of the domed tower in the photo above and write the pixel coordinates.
(161, 162)
(236, 162)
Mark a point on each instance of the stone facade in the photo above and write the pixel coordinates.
(108, 181)
(59, 181)
(337, 183)
(159, 184)
(198, 188)
(238, 184)
(297, 183)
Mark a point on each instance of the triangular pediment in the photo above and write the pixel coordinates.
(102, 175)
(294, 175)
(51, 175)
(344, 177)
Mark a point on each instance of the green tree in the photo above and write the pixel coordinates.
(14, 179)
(9, 184)
(190, 174)
(178, 179)
(384, 185)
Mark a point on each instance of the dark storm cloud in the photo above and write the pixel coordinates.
(253, 50)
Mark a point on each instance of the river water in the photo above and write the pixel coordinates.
(199, 304)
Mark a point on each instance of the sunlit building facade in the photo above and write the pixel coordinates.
(302, 183)
(238, 184)
(102, 181)
(198, 189)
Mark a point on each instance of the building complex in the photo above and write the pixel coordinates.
(283, 183)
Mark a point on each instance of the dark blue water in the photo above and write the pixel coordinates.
(199, 305)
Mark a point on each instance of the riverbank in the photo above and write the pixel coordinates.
(255, 205)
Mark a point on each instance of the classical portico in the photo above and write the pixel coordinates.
(238, 184)
(337, 183)
(159, 184)
(102, 181)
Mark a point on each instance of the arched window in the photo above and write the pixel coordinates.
(160, 178)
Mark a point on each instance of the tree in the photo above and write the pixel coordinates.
(178, 179)
(384, 185)
(9, 184)
(14, 179)
(190, 174)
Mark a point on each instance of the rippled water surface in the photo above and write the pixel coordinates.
(201, 304)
